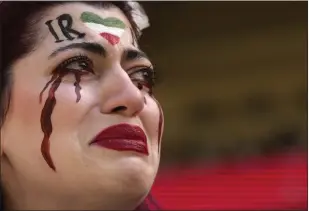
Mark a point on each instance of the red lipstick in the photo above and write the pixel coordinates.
(122, 137)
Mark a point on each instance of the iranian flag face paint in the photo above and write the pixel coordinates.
(110, 28)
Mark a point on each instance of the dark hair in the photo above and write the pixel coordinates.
(14, 27)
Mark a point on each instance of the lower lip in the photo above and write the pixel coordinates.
(123, 145)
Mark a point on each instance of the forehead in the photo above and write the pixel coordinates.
(80, 22)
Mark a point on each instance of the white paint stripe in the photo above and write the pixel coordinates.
(99, 28)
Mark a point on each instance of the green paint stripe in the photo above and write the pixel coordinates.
(114, 22)
(94, 18)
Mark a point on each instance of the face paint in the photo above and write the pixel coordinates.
(160, 125)
(110, 28)
(52, 31)
(48, 108)
(65, 22)
(48, 83)
(77, 86)
(46, 123)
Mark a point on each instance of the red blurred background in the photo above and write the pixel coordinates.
(275, 182)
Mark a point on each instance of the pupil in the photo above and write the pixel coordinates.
(83, 64)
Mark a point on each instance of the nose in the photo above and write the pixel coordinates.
(121, 96)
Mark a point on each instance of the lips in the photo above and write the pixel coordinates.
(122, 137)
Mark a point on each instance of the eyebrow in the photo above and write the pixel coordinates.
(132, 54)
(92, 47)
(128, 54)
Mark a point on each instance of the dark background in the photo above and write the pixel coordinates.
(232, 80)
(232, 77)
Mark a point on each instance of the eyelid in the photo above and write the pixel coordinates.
(72, 59)
(140, 67)
(55, 62)
(148, 69)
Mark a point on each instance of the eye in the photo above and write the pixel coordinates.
(78, 64)
(143, 78)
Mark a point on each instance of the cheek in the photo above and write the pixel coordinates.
(25, 108)
(152, 119)
(22, 130)
(25, 115)
(72, 105)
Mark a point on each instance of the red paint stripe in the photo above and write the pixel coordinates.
(112, 39)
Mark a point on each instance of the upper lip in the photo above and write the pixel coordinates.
(121, 131)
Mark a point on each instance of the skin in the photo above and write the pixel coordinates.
(89, 176)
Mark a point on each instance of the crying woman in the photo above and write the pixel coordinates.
(80, 126)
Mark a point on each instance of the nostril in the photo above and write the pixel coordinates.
(119, 108)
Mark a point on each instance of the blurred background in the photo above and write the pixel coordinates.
(232, 80)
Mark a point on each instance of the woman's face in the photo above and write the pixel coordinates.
(82, 119)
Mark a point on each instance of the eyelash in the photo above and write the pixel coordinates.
(80, 58)
(147, 81)
(144, 81)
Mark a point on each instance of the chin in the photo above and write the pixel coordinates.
(131, 187)
(137, 177)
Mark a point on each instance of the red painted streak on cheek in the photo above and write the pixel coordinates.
(160, 125)
(77, 86)
(48, 108)
(46, 123)
(47, 84)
